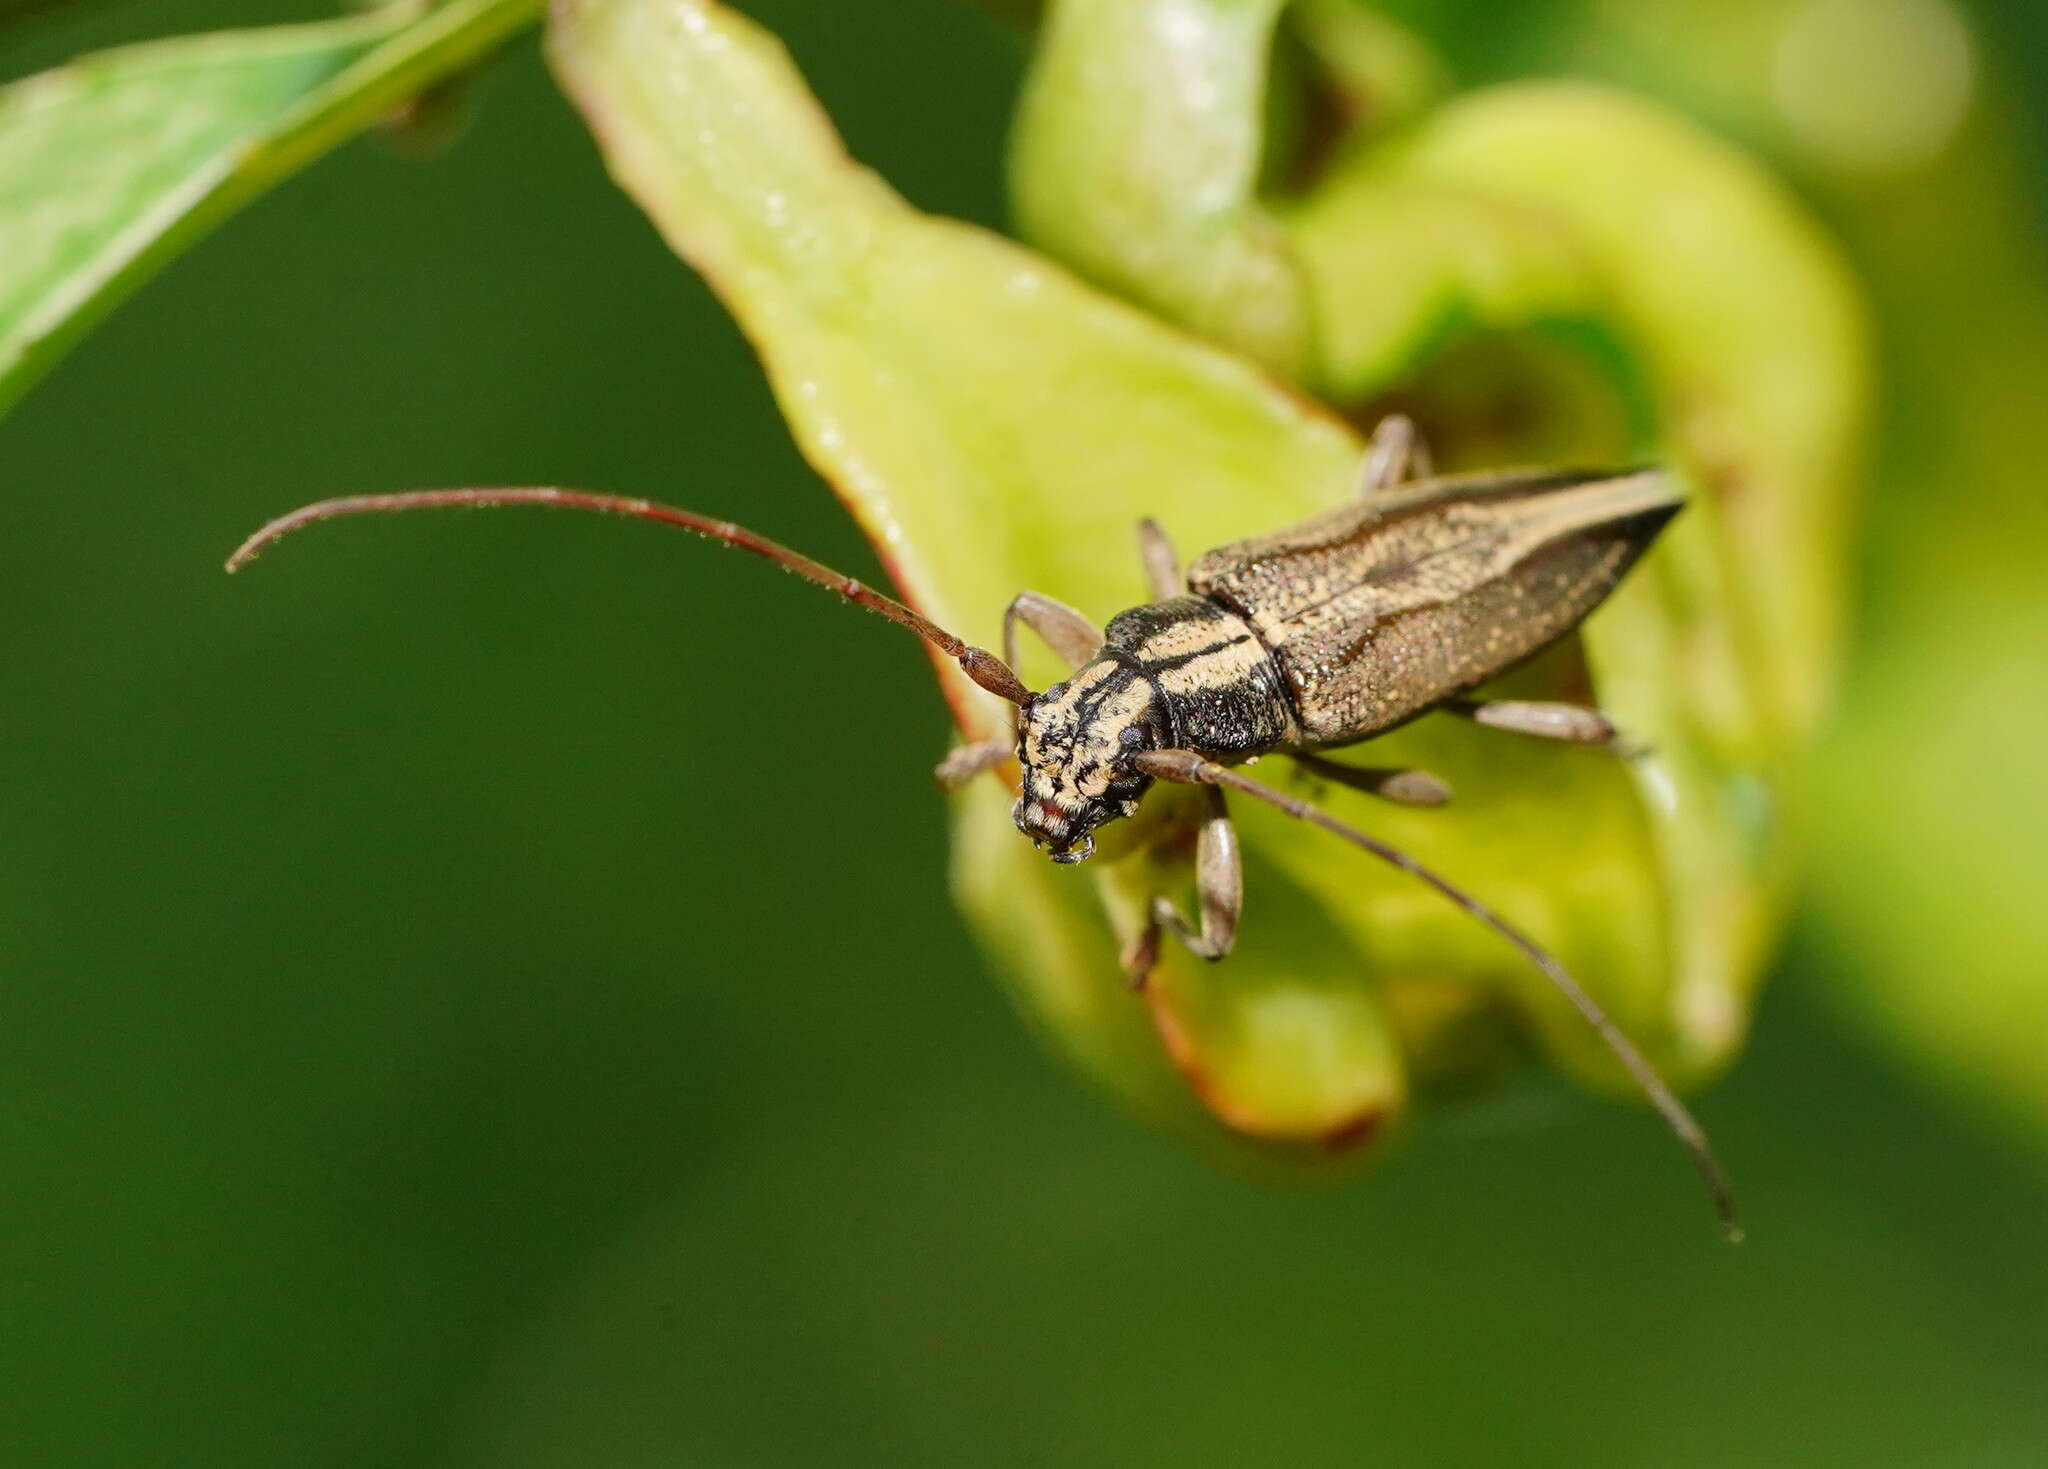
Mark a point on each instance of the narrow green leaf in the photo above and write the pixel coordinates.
(113, 164)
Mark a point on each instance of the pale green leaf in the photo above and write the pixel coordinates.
(995, 424)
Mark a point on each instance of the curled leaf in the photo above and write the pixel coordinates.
(1744, 329)
(1743, 314)
(1379, 73)
(1150, 189)
(1560, 271)
(996, 424)
(993, 424)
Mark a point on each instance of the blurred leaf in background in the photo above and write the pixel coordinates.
(113, 164)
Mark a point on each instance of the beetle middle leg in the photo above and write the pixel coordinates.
(1397, 453)
(1572, 723)
(1191, 767)
(1219, 895)
(1069, 634)
(1402, 785)
(1058, 626)
(1162, 562)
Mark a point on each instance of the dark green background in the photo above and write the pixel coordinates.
(480, 990)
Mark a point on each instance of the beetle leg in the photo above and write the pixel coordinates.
(964, 762)
(1063, 630)
(1401, 786)
(1066, 632)
(1421, 463)
(1219, 892)
(1162, 564)
(1570, 722)
(1191, 767)
(1141, 953)
(1397, 453)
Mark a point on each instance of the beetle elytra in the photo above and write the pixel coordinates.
(1313, 638)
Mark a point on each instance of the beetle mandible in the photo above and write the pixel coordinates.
(1316, 637)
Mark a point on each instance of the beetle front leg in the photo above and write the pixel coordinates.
(1573, 723)
(1162, 563)
(964, 762)
(1219, 893)
(1058, 626)
(1397, 453)
(1064, 630)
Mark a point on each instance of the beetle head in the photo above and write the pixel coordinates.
(1075, 746)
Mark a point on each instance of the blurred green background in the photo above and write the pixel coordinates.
(481, 990)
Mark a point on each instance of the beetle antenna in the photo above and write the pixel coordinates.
(987, 670)
(1189, 768)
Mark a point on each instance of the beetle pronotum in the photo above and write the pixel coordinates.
(1313, 638)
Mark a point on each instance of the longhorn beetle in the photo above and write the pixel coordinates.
(1315, 637)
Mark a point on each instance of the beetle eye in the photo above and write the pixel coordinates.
(1132, 736)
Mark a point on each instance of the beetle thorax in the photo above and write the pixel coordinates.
(1075, 749)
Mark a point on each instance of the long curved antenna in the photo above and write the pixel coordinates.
(1189, 768)
(987, 670)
